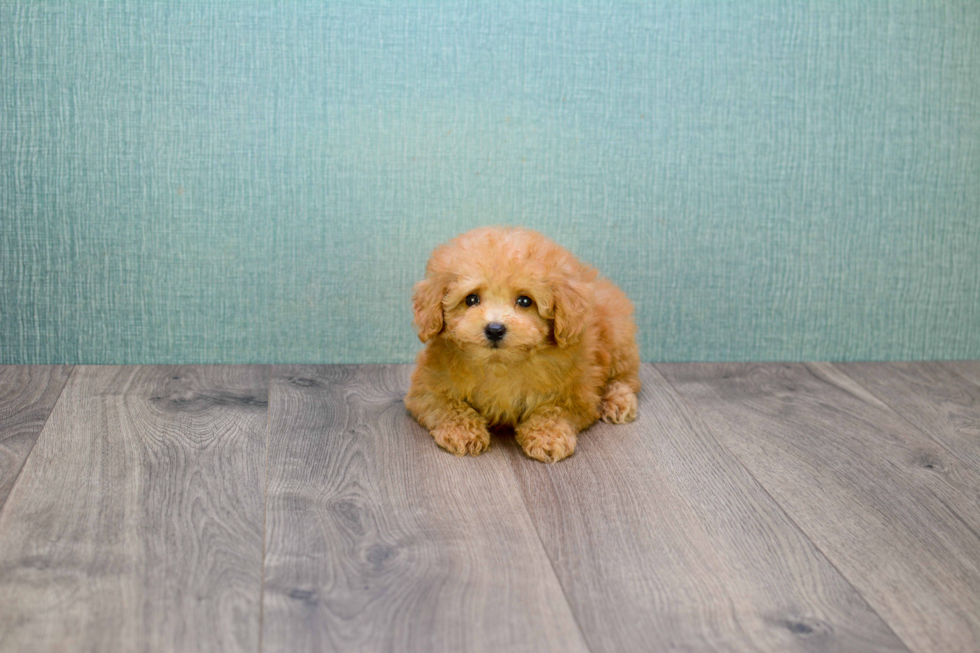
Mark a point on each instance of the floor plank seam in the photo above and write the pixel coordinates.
(952, 370)
(915, 427)
(551, 563)
(265, 499)
(783, 509)
(47, 417)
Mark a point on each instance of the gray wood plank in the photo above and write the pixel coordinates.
(27, 395)
(377, 540)
(868, 489)
(662, 541)
(969, 370)
(137, 521)
(935, 400)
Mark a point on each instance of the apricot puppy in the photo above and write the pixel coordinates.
(519, 333)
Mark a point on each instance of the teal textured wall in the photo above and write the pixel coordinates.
(258, 182)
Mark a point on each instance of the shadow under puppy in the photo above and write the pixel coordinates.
(519, 333)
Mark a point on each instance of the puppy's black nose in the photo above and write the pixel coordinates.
(495, 331)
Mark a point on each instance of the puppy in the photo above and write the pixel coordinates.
(519, 334)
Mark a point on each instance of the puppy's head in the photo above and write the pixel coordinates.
(500, 294)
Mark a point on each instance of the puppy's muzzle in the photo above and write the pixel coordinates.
(494, 332)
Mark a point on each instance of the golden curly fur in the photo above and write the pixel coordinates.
(560, 351)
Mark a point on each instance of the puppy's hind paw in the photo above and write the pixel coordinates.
(619, 404)
(462, 441)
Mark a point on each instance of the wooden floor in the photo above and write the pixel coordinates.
(752, 507)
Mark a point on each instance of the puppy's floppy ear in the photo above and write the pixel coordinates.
(427, 302)
(572, 305)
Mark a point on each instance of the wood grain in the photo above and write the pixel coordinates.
(870, 491)
(377, 540)
(663, 541)
(938, 402)
(137, 522)
(969, 370)
(27, 395)
(776, 507)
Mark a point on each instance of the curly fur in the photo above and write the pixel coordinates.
(567, 360)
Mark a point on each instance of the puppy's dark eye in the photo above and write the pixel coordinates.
(524, 301)
(472, 300)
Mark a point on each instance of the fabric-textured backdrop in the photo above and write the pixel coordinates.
(254, 182)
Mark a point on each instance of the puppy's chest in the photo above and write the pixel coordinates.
(507, 396)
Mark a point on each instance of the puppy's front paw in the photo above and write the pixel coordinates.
(549, 445)
(618, 405)
(462, 440)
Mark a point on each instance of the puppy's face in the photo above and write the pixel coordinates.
(496, 319)
(501, 294)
